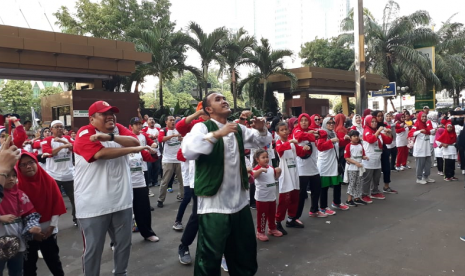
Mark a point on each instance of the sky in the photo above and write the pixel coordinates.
(210, 14)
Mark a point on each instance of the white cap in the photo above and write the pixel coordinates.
(56, 122)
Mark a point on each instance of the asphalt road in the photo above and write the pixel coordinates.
(415, 232)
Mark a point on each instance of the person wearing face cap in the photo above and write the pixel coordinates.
(59, 164)
(102, 187)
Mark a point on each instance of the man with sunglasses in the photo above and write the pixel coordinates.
(59, 164)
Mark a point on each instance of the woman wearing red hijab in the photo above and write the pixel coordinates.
(373, 140)
(447, 141)
(422, 148)
(315, 122)
(45, 195)
(344, 139)
(309, 176)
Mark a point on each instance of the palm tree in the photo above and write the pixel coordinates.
(233, 55)
(390, 46)
(167, 51)
(450, 58)
(268, 62)
(207, 45)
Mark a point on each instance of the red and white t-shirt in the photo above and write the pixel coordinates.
(265, 184)
(60, 166)
(100, 186)
(153, 134)
(355, 152)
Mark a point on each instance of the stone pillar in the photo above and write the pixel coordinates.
(345, 105)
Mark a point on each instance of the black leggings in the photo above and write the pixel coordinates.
(324, 196)
(449, 168)
(314, 183)
(51, 253)
(192, 226)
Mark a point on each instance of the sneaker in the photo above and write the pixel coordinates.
(179, 198)
(448, 179)
(435, 164)
(358, 201)
(178, 226)
(378, 196)
(170, 190)
(224, 265)
(421, 181)
(440, 173)
(42, 256)
(351, 203)
(275, 233)
(152, 239)
(75, 223)
(184, 255)
(294, 224)
(408, 167)
(400, 168)
(454, 178)
(458, 165)
(262, 237)
(151, 194)
(160, 204)
(463, 171)
(367, 199)
(341, 206)
(429, 180)
(403, 168)
(328, 211)
(280, 228)
(318, 214)
(309, 192)
(462, 238)
(388, 190)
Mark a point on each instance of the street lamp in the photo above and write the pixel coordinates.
(403, 89)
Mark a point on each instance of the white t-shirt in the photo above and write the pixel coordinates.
(143, 142)
(354, 152)
(265, 185)
(136, 165)
(100, 186)
(60, 166)
(171, 147)
(153, 131)
(373, 152)
(422, 145)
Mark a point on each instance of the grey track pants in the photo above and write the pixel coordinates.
(423, 167)
(370, 181)
(119, 227)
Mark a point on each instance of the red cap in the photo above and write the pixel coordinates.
(101, 107)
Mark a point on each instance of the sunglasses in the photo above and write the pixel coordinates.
(24, 165)
(317, 119)
(330, 123)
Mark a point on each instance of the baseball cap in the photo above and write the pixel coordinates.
(101, 107)
(135, 120)
(425, 107)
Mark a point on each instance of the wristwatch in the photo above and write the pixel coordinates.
(112, 136)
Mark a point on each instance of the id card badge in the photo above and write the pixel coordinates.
(290, 162)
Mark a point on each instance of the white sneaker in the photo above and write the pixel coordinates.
(440, 173)
(151, 194)
(429, 180)
(40, 255)
(463, 171)
(400, 168)
(224, 265)
(421, 181)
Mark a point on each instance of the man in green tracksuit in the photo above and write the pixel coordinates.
(221, 184)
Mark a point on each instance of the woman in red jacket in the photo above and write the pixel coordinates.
(344, 139)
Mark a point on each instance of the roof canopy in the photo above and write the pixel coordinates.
(39, 55)
(316, 80)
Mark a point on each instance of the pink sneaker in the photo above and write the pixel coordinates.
(367, 199)
(341, 206)
(318, 214)
(328, 211)
(275, 233)
(378, 196)
(262, 237)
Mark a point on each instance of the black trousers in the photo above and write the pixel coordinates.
(252, 194)
(386, 165)
(440, 164)
(68, 186)
(192, 226)
(50, 251)
(314, 183)
(393, 154)
(141, 209)
(449, 168)
(462, 158)
(324, 196)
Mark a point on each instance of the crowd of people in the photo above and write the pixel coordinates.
(226, 169)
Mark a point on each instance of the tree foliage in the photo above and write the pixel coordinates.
(17, 97)
(337, 108)
(327, 53)
(52, 90)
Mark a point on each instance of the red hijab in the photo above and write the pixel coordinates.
(340, 119)
(290, 124)
(448, 137)
(43, 191)
(15, 202)
(419, 125)
(313, 125)
(439, 132)
(298, 127)
(398, 118)
(368, 129)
